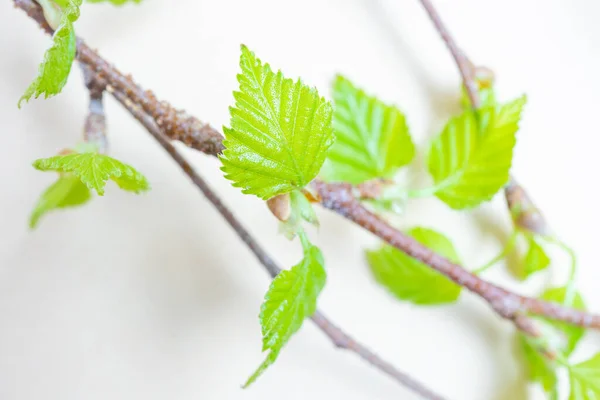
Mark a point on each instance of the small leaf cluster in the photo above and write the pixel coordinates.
(79, 173)
(278, 138)
(282, 134)
(55, 68)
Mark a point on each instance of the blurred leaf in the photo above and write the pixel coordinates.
(372, 138)
(67, 191)
(585, 379)
(470, 160)
(411, 280)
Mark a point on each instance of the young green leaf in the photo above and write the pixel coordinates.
(372, 138)
(280, 131)
(539, 368)
(67, 191)
(94, 170)
(559, 336)
(412, 280)
(291, 298)
(571, 334)
(584, 379)
(536, 258)
(54, 70)
(470, 160)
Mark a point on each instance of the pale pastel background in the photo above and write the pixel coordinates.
(154, 297)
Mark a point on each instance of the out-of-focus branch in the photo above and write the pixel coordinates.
(94, 130)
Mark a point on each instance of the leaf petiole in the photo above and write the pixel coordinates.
(570, 285)
(430, 191)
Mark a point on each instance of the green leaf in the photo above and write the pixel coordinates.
(539, 368)
(67, 191)
(94, 170)
(280, 131)
(557, 336)
(470, 160)
(411, 280)
(55, 69)
(291, 298)
(570, 334)
(536, 258)
(372, 138)
(584, 379)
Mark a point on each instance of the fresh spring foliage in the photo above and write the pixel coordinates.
(470, 160)
(584, 379)
(535, 260)
(411, 280)
(67, 191)
(280, 131)
(55, 69)
(559, 336)
(372, 138)
(56, 66)
(79, 173)
(291, 298)
(278, 140)
(94, 169)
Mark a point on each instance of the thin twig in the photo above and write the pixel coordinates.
(463, 63)
(338, 337)
(339, 197)
(94, 130)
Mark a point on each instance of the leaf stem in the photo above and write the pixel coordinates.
(304, 239)
(426, 192)
(510, 243)
(570, 285)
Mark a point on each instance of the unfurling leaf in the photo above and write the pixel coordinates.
(535, 260)
(54, 70)
(558, 336)
(372, 138)
(584, 379)
(291, 298)
(411, 280)
(470, 160)
(67, 191)
(280, 131)
(539, 368)
(94, 170)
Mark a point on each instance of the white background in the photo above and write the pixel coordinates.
(154, 297)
